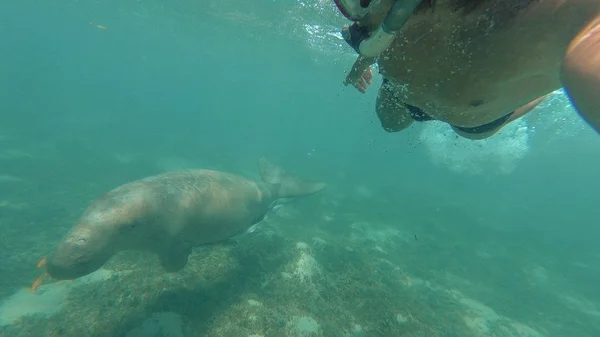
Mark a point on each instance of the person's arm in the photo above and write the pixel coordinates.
(581, 73)
(525, 109)
(360, 75)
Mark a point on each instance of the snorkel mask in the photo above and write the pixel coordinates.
(353, 10)
(371, 44)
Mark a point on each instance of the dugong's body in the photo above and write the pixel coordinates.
(169, 214)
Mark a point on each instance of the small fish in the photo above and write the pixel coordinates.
(38, 282)
(252, 228)
(98, 26)
(276, 208)
(42, 263)
(416, 238)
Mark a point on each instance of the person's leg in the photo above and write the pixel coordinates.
(581, 73)
(393, 113)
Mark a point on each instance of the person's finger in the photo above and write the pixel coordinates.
(361, 85)
(368, 75)
(361, 82)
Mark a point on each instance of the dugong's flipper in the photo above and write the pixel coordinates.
(284, 185)
(176, 257)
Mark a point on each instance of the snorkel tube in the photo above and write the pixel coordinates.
(371, 45)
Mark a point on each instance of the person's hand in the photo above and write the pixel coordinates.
(360, 80)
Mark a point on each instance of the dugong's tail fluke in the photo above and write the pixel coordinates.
(284, 184)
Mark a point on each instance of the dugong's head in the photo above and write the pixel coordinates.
(83, 251)
(92, 242)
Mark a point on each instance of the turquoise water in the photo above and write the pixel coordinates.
(418, 233)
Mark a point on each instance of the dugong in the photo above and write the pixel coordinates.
(169, 214)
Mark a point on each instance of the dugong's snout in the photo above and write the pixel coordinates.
(75, 257)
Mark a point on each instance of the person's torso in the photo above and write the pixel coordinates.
(471, 69)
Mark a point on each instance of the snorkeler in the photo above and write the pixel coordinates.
(474, 64)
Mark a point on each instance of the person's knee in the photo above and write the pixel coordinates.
(392, 114)
(394, 123)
